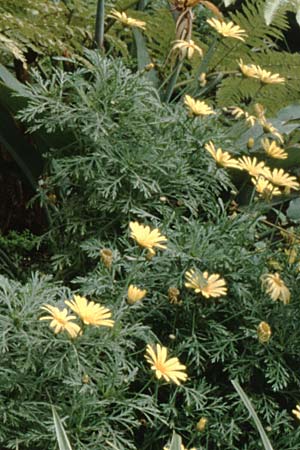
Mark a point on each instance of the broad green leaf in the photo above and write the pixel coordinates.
(7, 78)
(293, 211)
(264, 438)
(61, 436)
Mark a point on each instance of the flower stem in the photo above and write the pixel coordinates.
(99, 26)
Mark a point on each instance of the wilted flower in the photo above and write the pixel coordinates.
(268, 127)
(239, 112)
(60, 320)
(187, 47)
(276, 287)
(106, 257)
(251, 165)
(173, 295)
(125, 20)
(201, 424)
(296, 411)
(170, 369)
(90, 313)
(272, 149)
(264, 332)
(291, 254)
(134, 294)
(222, 158)
(197, 107)
(227, 29)
(205, 284)
(146, 237)
(264, 188)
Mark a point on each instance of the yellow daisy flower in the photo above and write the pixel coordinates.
(222, 158)
(272, 149)
(187, 47)
(134, 294)
(264, 332)
(170, 369)
(264, 188)
(146, 237)
(268, 127)
(239, 112)
(251, 165)
(296, 412)
(267, 77)
(60, 321)
(197, 107)
(90, 313)
(205, 284)
(227, 29)
(125, 20)
(276, 287)
(254, 71)
(280, 178)
(248, 70)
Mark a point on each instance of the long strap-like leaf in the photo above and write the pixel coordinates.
(247, 403)
(61, 435)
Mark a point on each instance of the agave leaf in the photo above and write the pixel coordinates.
(271, 7)
(264, 438)
(228, 2)
(298, 12)
(176, 442)
(143, 57)
(61, 435)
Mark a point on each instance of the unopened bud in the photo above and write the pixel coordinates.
(250, 142)
(201, 424)
(202, 79)
(106, 257)
(264, 332)
(85, 379)
(149, 67)
(173, 295)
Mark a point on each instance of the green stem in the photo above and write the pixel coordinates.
(99, 27)
(171, 85)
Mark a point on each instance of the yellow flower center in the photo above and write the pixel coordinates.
(161, 367)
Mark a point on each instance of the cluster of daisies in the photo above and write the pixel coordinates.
(208, 285)
(267, 182)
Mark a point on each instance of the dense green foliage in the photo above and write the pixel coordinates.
(115, 152)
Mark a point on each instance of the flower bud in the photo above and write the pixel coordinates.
(250, 143)
(264, 332)
(106, 257)
(201, 424)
